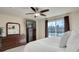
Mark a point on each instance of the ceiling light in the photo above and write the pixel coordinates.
(37, 14)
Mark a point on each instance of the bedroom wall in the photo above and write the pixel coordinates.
(74, 21)
(40, 24)
(74, 24)
(8, 18)
(40, 29)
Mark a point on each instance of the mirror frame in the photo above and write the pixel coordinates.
(7, 28)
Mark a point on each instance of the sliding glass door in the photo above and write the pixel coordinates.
(56, 27)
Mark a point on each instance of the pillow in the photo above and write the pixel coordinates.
(64, 39)
(73, 42)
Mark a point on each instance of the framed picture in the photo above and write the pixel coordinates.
(12, 28)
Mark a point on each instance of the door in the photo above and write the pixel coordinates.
(30, 30)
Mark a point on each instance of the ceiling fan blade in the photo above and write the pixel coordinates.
(29, 13)
(44, 10)
(36, 8)
(43, 14)
(33, 9)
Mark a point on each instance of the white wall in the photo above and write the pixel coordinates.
(74, 21)
(40, 24)
(40, 29)
(8, 18)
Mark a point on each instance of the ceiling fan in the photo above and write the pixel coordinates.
(37, 12)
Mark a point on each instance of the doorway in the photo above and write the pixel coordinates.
(30, 30)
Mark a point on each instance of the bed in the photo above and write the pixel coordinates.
(68, 43)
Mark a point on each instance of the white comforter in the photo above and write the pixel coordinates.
(42, 45)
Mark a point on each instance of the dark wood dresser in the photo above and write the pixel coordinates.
(12, 41)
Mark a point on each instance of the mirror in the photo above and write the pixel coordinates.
(12, 28)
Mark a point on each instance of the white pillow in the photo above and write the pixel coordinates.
(64, 39)
(73, 42)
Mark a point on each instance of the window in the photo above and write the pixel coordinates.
(56, 27)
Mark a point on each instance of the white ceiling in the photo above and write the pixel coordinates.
(20, 11)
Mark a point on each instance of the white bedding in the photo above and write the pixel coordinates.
(42, 45)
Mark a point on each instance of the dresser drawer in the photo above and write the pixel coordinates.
(11, 41)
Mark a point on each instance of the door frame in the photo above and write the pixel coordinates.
(27, 34)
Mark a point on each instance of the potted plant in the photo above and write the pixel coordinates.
(1, 30)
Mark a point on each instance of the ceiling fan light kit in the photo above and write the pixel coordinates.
(37, 12)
